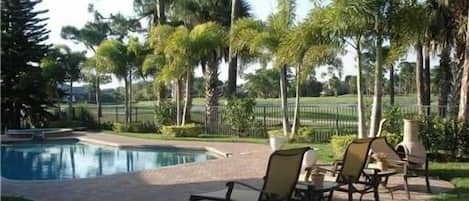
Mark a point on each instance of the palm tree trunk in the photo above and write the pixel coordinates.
(130, 96)
(296, 119)
(70, 103)
(426, 76)
(284, 100)
(160, 90)
(360, 108)
(444, 82)
(188, 97)
(211, 95)
(161, 12)
(463, 114)
(233, 58)
(178, 102)
(391, 84)
(98, 99)
(126, 102)
(377, 96)
(419, 78)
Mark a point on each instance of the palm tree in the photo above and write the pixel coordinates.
(351, 20)
(463, 114)
(178, 63)
(306, 45)
(210, 41)
(136, 53)
(91, 35)
(72, 62)
(263, 41)
(111, 56)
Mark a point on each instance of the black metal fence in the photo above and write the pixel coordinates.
(325, 119)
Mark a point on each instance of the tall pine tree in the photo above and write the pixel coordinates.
(24, 32)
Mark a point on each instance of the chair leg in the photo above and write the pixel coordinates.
(331, 194)
(406, 187)
(350, 192)
(427, 180)
(335, 168)
(386, 181)
(385, 184)
(350, 196)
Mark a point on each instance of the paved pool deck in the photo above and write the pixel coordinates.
(246, 162)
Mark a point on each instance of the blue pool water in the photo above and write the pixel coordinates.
(73, 159)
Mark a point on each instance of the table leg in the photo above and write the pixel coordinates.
(376, 181)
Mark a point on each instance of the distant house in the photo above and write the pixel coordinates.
(78, 93)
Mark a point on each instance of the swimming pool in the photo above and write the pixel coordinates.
(70, 159)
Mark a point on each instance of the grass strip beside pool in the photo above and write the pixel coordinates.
(457, 174)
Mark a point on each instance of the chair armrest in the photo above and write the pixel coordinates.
(319, 166)
(231, 184)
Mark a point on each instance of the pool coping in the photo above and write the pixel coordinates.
(118, 145)
(220, 154)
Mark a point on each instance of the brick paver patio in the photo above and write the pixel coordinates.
(247, 163)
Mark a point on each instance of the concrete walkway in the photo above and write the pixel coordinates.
(247, 163)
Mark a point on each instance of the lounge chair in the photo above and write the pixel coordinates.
(280, 180)
(338, 163)
(351, 172)
(380, 145)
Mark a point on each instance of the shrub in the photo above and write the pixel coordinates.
(165, 113)
(305, 134)
(257, 128)
(142, 127)
(137, 127)
(442, 134)
(107, 125)
(118, 127)
(277, 132)
(239, 113)
(392, 138)
(64, 124)
(340, 143)
(394, 117)
(188, 130)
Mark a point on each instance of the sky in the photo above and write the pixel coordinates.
(75, 12)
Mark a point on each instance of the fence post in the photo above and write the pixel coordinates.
(265, 120)
(117, 114)
(337, 120)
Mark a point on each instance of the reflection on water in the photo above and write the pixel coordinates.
(72, 159)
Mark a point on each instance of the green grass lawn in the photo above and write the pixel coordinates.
(344, 99)
(458, 174)
(325, 155)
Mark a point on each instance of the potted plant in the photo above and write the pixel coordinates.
(276, 139)
(381, 161)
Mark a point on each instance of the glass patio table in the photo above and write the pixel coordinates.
(309, 191)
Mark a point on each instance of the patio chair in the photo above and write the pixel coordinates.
(380, 145)
(351, 172)
(280, 180)
(338, 163)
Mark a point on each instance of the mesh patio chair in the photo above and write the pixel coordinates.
(280, 180)
(338, 163)
(380, 145)
(351, 172)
